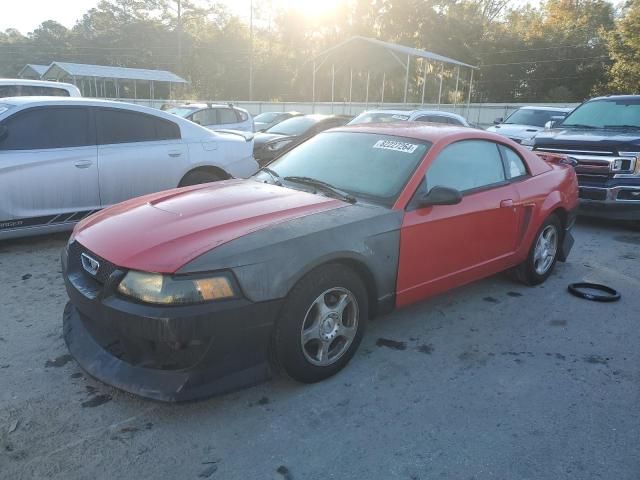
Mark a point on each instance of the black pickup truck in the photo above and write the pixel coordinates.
(602, 136)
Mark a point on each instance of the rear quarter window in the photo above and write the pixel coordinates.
(123, 126)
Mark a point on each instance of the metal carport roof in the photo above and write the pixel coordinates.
(80, 70)
(371, 54)
(36, 70)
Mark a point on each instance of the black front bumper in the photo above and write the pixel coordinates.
(616, 199)
(166, 353)
(613, 211)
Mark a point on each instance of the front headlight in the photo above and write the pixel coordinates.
(274, 146)
(528, 143)
(168, 290)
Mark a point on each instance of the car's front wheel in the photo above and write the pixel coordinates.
(322, 324)
(543, 254)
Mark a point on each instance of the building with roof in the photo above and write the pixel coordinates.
(106, 81)
(32, 71)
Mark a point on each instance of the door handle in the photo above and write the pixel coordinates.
(83, 164)
(506, 203)
(175, 154)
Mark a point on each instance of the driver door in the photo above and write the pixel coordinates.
(444, 246)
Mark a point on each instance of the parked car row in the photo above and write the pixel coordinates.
(601, 137)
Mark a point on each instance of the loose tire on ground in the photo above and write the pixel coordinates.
(530, 271)
(200, 176)
(324, 314)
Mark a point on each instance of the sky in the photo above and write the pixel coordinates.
(26, 15)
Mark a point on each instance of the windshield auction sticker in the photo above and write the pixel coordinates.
(396, 146)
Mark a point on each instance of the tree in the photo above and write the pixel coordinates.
(623, 75)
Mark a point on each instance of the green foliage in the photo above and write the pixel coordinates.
(561, 50)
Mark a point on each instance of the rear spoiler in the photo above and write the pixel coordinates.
(248, 136)
(557, 158)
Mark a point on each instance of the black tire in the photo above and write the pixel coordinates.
(526, 272)
(200, 176)
(289, 353)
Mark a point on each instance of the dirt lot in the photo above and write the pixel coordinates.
(492, 381)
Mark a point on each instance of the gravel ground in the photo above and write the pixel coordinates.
(491, 381)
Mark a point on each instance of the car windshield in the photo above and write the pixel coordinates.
(606, 113)
(293, 126)
(267, 117)
(379, 117)
(182, 111)
(533, 117)
(363, 164)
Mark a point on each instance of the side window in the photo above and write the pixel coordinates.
(9, 91)
(51, 127)
(454, 121)
(167, 130)
(35, 90)
(433, 119)
(226, 115)
(467, 165)
(205, 117)
(242, 116)
(122, 126)
(514, 165)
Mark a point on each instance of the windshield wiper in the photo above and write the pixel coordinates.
(273, 174)
(324, 186)
(632, 127)
(577, 125)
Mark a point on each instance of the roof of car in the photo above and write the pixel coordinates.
(412, 112)
(430, 132)
(196, 106)
(553, 109)
(24, 102)
(36, 83)
(616, 97)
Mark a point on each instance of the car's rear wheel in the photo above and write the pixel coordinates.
(200, 176)
(543, 254)
(322, 323)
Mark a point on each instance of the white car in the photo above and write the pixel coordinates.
(18, 87)
(432, 116)
(215, 117)
(526, 122)
(62, 159)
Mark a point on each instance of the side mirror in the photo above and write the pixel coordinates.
(441, 196)
(498, 120)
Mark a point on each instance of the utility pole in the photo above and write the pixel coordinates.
(251, 51)
(179, 36)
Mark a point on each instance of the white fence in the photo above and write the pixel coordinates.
(480, 113)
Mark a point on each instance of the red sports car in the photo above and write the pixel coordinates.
(200, 290)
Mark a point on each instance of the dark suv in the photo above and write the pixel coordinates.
(603, 137)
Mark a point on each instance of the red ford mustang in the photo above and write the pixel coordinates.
(197, 291)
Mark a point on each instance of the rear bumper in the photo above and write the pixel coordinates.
(170, 354)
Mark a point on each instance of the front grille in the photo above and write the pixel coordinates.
(592, 180)
(577, 150)
(75, 263)
(629, 195)
(593, 194)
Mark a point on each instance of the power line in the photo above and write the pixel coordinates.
(543, 61)
(526, 80)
